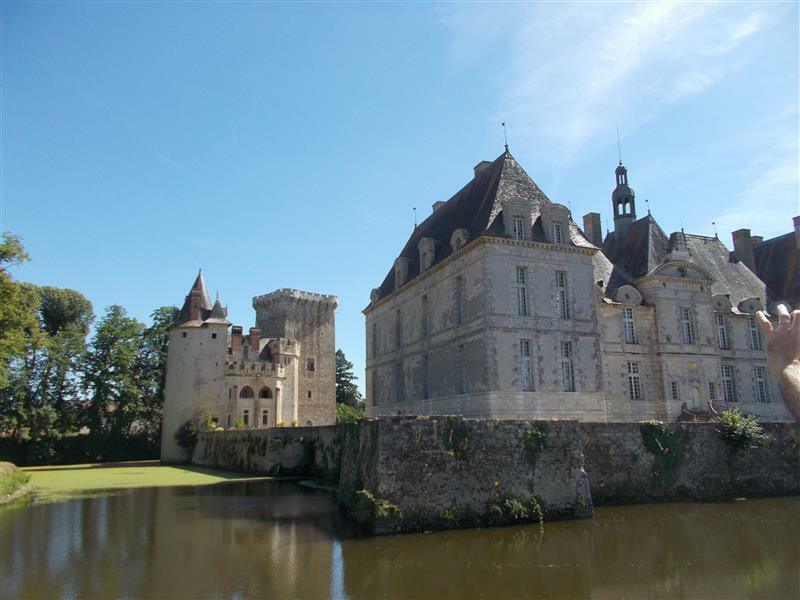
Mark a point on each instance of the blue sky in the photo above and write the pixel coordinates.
(284, 145)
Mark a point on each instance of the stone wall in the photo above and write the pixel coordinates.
(425, 473)
(699, 465)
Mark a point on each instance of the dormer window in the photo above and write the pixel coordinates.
(427, 253)
(458, 239)
(557, 236)
(519, 228)
(400, 271)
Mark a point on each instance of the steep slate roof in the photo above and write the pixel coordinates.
(777, 263)
(729, 277)
(216, 313)
(477, 207)
(640, 250)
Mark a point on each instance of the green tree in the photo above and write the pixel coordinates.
(346, 390)
(152, 368)
(18, 305)
(116, 402)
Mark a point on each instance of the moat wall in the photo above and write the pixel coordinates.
(420, 473)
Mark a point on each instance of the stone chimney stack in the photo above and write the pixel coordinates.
(255, 335)
(437, 205)
(797, 231)
(591, 228)
(743, 246)
(236, 339)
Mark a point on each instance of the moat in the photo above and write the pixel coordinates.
(280, 539)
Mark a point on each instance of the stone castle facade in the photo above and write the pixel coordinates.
(500, 306)
(281, 372)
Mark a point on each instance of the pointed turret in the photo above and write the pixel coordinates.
(218, 314)
(197, 303)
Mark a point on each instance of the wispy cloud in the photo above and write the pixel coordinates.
(574, 69)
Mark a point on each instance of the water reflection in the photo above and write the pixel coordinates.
(269, 539)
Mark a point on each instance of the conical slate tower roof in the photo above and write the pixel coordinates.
(197, 297)
(200, 285)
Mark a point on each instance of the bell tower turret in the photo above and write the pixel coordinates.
(623, 199)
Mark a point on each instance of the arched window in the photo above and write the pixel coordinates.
(265, 392)
(247, 392)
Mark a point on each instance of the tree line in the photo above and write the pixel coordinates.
(66, 395)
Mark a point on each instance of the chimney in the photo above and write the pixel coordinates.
(591, 228)
(195, 301)
(255, 335)
(756, 239)
(236, 339)
(743, 247)
(797, 231)
(438, 205)
(481, 167)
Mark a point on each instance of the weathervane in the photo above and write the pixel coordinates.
(619, 145)
(415, 217)
(505, 134)
(714, 223)
(647, 203)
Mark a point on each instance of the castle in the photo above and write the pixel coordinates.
(500, 306)
(281, 373)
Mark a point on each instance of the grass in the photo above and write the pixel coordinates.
(11, 479)
(53, 483)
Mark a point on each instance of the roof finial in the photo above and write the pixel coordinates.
(714, 223)
(415, 217)
(647, 202)
(505, 134)
(619, 145)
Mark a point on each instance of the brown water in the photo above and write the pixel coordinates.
(269, 539)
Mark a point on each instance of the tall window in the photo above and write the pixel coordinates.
(375, 340)
(526, 366)
(426, 374)
(522, 291)
(628, 327)
(722, 331)
(246, 417)
(675, 394)
(728, 389)
(761, 384)
(460, 375)
(424, 315)
(519, 228)
(753, 334)
(687, 327)
(634, 382)
(567, 368)
(562, 297)
(459, 300)
(264, 417)
(557, 237)
(398, 329)
(399, 383)
(712, 391)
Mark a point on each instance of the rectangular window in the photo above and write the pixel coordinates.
(398, 329)
(728, 389)
(567, 368)
(424, 316)
(522, 291)
(562, 297)
(264, 417)
(426, 374)
(375, 340)
(712, 391)
(310, 364)
(229, 420)
(399, 383)
(526, 366)
(519, 228)
(634, 383)
(628, 326)
(246, 416)
(722, 332)
(459, 300)
(753, 334)
(761, 384)
(460, 375)
(687, 327)
(675, 394)
(557, 237)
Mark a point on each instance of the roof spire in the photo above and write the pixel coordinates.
(505, 135)
(619, 145)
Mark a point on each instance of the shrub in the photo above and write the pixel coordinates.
(535, 440)
(665, 446)
(455, 437)
(740, 431)
(348, 414)
(293, 423)
(207, 422)
(367, 508)
(187, 435)
(238, 423)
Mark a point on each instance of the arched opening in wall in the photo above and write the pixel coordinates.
(265, 392)
(309, 424)
(247, 392)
